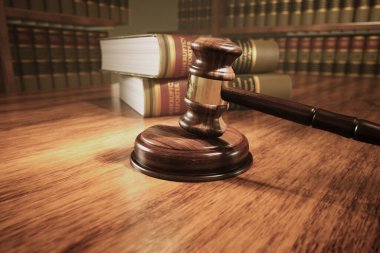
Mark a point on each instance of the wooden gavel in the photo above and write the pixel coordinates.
(208, 92)
(208, 150)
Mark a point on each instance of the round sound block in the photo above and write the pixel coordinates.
(171, 153)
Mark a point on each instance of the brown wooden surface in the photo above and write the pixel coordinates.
(67, 185)
(6, 68)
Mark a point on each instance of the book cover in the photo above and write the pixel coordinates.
(328, 55)
(347, 11)
(307, 12)
(343, 44)
(375, 11)
(320, 14)
(316, 48)
(303, 57)
(371, 55)
(250, 15)
(333, 11)
(362, 11)
(162, 97)
(291, 55)
(259, 56)
(355, 55)
(230, 13)
(295, 12)
(283, 12)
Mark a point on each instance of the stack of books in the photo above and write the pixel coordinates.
(154, 69)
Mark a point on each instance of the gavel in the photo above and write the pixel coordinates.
(203, 148)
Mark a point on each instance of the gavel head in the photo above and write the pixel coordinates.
(211, 70)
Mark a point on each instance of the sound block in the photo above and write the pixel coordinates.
(171, 153)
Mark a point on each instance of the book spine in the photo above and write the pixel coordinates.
(70, 56)
(239, 15)
(80, 7)
(307, 12)
(316, 55)
(271, 13)
(83, 58)
(22, 4)
(181, 14)
(114, 11)
(295, 12)
(303, 60)
(259, 56)
(291, 55)
(333, 11)
(355, 55)
(282, 47)
(104, 10)
(57, 58)
(27, 58)
(260, 16)
(375, 11)
(283, 12)
(347, 11)
(230, 8)
(37, 5)
(176, 56)
(320, 14)
(328, 56)
(371, 56)
(250, 15)
(53, 6)
(16, 59)
(163, 97)
(124, 11)
(362, 11)
(343, 45)
(43, 58)
(208, 15)
(92, 9)
(67, 7)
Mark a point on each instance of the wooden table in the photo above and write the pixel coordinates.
(67, 185)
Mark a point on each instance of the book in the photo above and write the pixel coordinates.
(341, 56)
(307, 10)
(162, 97)
(375, 11)
(281, 41)
(304, 52)
(362, 11)
(355, 55)
(250, 15)
(150, 55)
(230, 13)
(295, 12)
(371, 56)
(333, 10)
(320, 12)
(271, 13)
(259, 56)
(291, 55)
(170, 56)
(316, 48)
(260, 16)
(240, 13)
(328, 55)
(347, 11)
(283, 12)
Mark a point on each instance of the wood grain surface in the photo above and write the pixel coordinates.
(67, 185)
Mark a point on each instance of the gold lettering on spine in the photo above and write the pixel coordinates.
(177, 98)
(171, 97)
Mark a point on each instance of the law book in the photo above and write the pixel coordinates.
(259, 56)
(37, 5)
(291, 55)
(239, 13)
(283, 12)
(362, 11)
(333, 11)
(67, 7)
(371, 56)
(162, 97)
(343, 45)
(303, 57)
(16, 60)
(114, 11)
(124, 11)
(230, 13)
(170, 56)
(53, 6)
(43, 57)
(315, 55)
(80, 7)
(307, 12)
(328, 55)
(260, 16)
(355, 55)
(92, 9)
(320, 13)
(347, 11)
(281, 42)
(375, 11)
(295, 12)
(181, 14)
(250, 15)
(271, 13)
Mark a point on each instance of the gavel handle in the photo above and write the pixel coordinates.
(350, 127)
